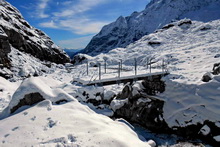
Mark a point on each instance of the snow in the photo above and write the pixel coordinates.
(143, 100)
(205, 130)
(70, 124)
(35, 85)
(116, 104)
(152, 143)
(189, 51)
(7, 89)
(217, 138)
(127, 30)
(109, 94)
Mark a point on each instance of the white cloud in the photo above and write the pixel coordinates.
(72, 8)
(78, 43)
(50, 24)
(77, 26)
(40, 9)
(72, 16)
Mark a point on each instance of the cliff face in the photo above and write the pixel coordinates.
(157, 13)
(16, 32)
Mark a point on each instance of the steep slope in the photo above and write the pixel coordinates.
(16, 32)
(157, 13)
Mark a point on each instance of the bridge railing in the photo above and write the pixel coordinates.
(103, 68)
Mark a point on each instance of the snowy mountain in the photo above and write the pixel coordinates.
(48, 113)
(157, 13)
(16, 33)
(190, 50)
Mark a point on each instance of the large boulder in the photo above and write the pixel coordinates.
(32, 91)
(206, 77)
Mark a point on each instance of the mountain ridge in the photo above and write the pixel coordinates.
(16, 32)
(126, 30)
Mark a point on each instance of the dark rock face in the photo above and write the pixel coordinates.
(142, 108)
(154, 85)
(28, 100)
(4, 49)
(79, 59)
(196, 132)
(20, 35)
(206, 77)
(216, 69)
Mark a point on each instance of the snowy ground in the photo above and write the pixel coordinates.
(190, 51)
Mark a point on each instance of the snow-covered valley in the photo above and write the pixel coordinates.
(188, 100)
(177, 103)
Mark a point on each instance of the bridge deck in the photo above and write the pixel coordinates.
(118, 80)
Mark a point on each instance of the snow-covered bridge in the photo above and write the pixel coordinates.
(117, 80)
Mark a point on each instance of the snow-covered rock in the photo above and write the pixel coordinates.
(217, 138)
(16, 32)
(71, 124)
(117, 104)
(32, 91)
(207, 77)
(126, 30)
(205, 130)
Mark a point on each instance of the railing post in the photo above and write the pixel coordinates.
(105, 66)
(99, 71)
(87, 68)
(119, 69)
(135, 66)
(147, 62)
(121, 64)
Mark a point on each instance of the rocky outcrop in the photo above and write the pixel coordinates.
(79, 59)
(216, 69)
(139, 104)
(28, 100)
(206, 77)
(4, 49)
(142, 107)
(19, 34)
(126, 30)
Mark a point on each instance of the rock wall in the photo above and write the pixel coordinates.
(139, 104)
(142, 106)
(4, 49)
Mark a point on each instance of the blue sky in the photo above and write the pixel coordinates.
(72, 23)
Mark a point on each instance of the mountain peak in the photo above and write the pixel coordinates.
(157, 13)
(19, 34)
